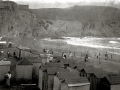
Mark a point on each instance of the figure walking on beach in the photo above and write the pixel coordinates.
(64, 55)
(8, 79)
(8, 54)
(106, 56)
(71, 55)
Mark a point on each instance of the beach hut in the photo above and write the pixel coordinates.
(111, 82)
(86, 71)
(70, 81)
(24, 69)
(21, 52)
(43, 74)
(75, 84)
(50, 73)
(62, 76)
(37, 62)
(95, 78)
(4, 68)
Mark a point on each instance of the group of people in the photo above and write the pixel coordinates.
(45, 50)
(64, 55)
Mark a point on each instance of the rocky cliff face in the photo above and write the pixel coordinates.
(74, 21)
(81, 21)
(16, 22)
(58, 28)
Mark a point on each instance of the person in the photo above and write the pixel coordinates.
(8, 79)
(85, 59)
(106, 56)
(44, 50)
(1, 52)
(71, 55)
(97, 57)
(64, 55)
(14, 54)
(8, 54)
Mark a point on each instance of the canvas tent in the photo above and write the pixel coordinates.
(24, 69)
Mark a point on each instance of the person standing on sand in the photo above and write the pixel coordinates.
(8, 79)
(71, 55)
(64, 55)
(106, 56)
(8, 54)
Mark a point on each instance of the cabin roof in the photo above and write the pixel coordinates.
(56, 70)
(50, 65)
(24, 62)
(68, 75)
(80, 66)
(34, 59)
(75, 81)
(23, 48)
(113, 79)
(89, 69)
(99, 73)
(2, 63)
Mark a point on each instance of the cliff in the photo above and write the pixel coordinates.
(95, 21)
(79, 21)
(14, 21)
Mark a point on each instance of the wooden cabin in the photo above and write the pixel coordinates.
(75, 84)
(111, 82)
(43, 74)
(24, 69)
(22, 52)
(4, 69)
(70, 81)
(37, 62)
(62, 76)
(51, 73)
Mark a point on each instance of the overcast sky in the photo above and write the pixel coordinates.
(60, 3)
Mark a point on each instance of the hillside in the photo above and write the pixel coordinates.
(80, 13)
(79, 21)
(20, 21)
(15, 22)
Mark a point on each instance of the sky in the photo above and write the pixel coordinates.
(61, 3)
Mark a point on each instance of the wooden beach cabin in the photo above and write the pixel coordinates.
(62, 76)
(43, 74)
(37, 62)
(111, 82)
(24, 69)
(51, 73)
(70, 81)
(4, 68)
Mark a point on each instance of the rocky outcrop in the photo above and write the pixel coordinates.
(16, 22)
(81, 21)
